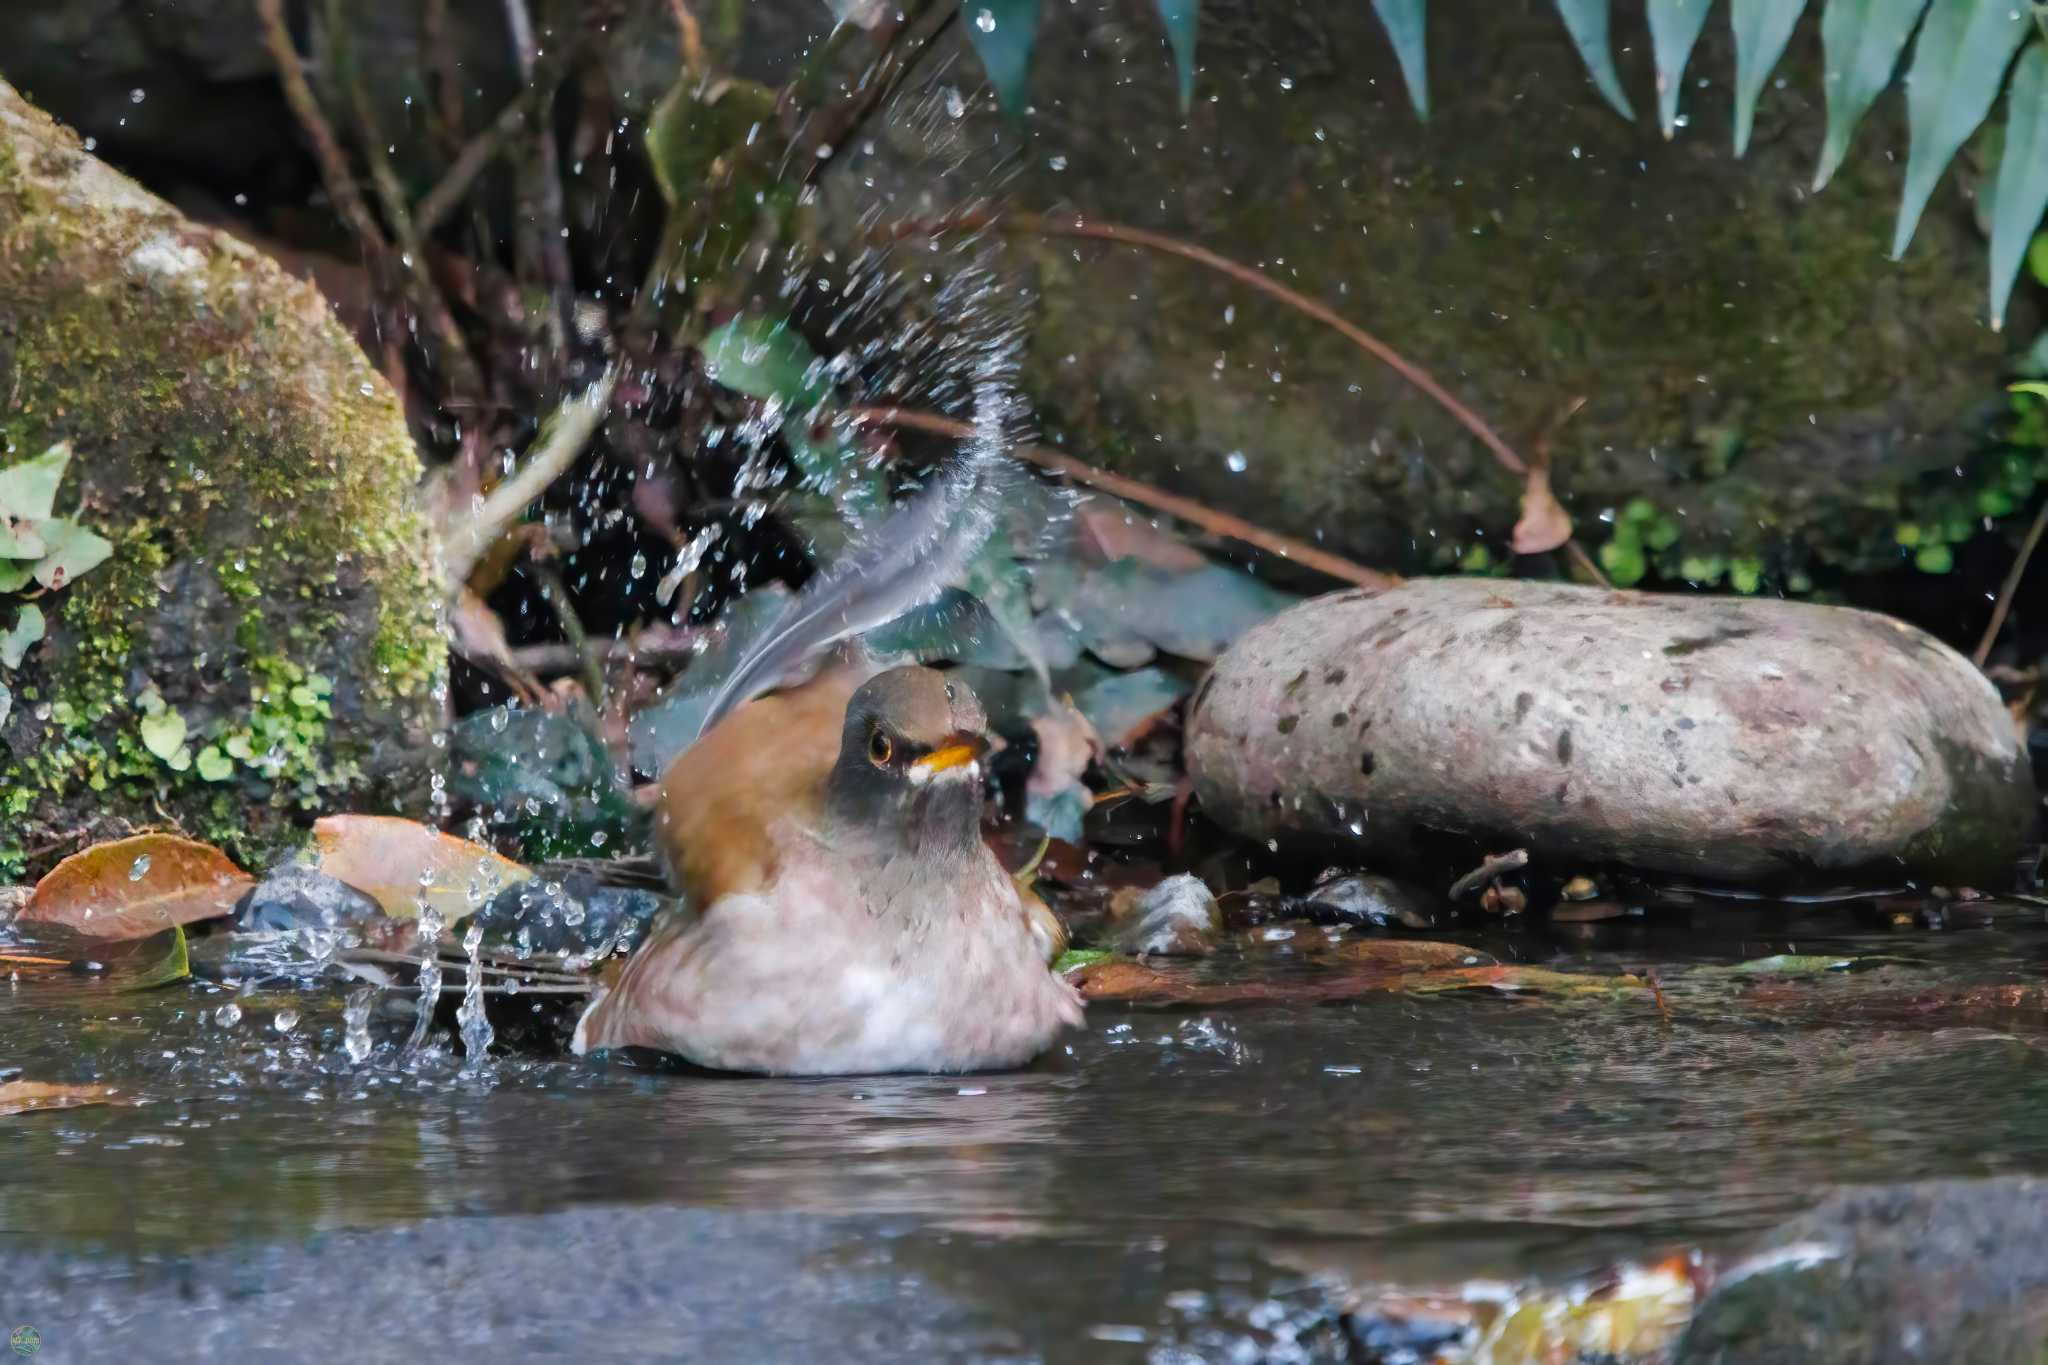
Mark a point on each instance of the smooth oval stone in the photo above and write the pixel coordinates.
(1729, 739)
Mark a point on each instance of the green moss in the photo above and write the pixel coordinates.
(256, 478)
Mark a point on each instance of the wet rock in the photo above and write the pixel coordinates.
(271, 598)
(1942, 1271)
(1730, 740)
(295, 897)
(1177, 918)
(1524, 245)
(575, 915)
(1362, 899)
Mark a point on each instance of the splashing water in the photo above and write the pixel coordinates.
(476, 1028)
(430, 974)
(355, 1018)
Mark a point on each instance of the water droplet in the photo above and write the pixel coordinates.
(228, 1015)
(638, 568)
(1235, 462)
(136, 96)
(1058, 163)
(355, 1018)
(985, 21)
(597, 839)
(139, 869)
(285, 1020)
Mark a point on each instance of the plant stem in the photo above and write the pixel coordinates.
(2011, 586)
(1133, 490)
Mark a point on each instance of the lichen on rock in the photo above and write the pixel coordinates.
(272, 585)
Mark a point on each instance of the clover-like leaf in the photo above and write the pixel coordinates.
(163, 734)
(28, 491)
(213, 765)
(766, 358)
(27, 629)
(70, 552)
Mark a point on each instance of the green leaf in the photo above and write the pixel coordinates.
(158, 961)
(2021, 194)
(1958, 65)
(1180, 16)
(1002, 32)
(27, 629)
(6, 703)
(213, 765)
(15, 573)
(2037, 258)
(1624, 562)
(1586, 20)
(1674, 27)
(1936, 559)
(1404, 22)
(1762, 28)
(1746, 574)
(28, 491)
(163, 733)
(766, 358)
(1861, 41)
(70, 551)
(1078, 957)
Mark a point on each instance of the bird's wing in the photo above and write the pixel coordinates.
(764, 765)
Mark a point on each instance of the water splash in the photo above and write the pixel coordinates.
(430, 926)
(475, 1026)
(355, 1019)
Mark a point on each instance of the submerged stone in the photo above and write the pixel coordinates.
(1945, 1270)
(1730, 740)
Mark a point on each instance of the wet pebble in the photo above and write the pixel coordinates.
(294, 897)
(1177, 918)
(1362, 899)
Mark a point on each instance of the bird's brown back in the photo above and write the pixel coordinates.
(721, 799)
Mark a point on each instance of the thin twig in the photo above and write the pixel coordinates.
(839, 125)
(463, 374)
(447, 101)
(1039, 225)
(2011, 586)
(669, 649)
(556, 594)
(692, 37)
(475, 155)
(1133, 490)
(562, 440)
(334, 172)
(1494, 866)
(542, 187)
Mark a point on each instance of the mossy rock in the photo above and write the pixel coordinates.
(272, 582)
(1750, 358)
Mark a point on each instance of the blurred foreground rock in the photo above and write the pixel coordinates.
(1725, 739)
(270, 606)
(1952, 1270)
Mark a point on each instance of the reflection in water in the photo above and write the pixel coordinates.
(1391, 1138)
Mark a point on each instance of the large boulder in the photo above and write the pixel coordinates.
(1751, 359)
(264, 636)
(1725, 739)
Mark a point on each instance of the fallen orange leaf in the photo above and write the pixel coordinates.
(402, 863)
(132, 888)
(26, 1097)
(1545, 525)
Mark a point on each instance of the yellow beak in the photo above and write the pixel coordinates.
(965, 750)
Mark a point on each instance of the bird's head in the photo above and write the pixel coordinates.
(909, 764)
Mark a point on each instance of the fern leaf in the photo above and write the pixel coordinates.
(1762, 28)
(1958, 66)
(1586, 20)
(1862, 40)
(1674, 27)
(2020, 196)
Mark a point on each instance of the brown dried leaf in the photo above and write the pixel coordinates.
(400, 863)
(1545, 524)
(132, 888)
(26, 1097)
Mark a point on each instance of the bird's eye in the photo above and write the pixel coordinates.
(880, 749)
